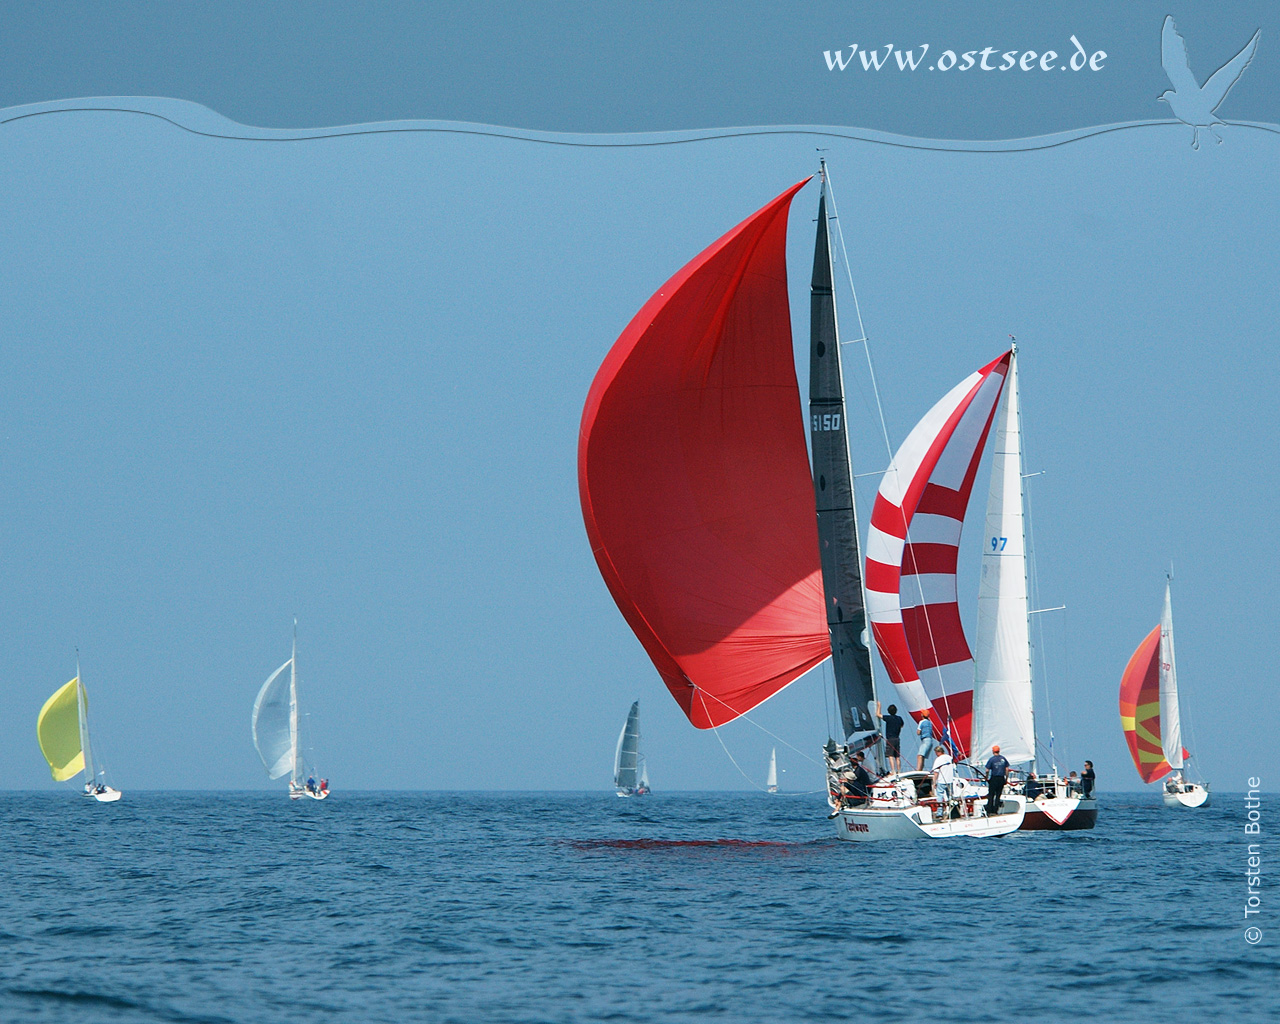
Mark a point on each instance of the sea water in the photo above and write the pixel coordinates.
(530, 907)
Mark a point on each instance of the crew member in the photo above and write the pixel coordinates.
(997, 773)
(1087, 779)
(892, 736)
(925, 731)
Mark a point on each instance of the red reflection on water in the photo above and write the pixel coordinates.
(669, 844)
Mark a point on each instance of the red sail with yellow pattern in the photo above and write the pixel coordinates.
(1140, 709)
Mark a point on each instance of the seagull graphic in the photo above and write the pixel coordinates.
(1191, 102)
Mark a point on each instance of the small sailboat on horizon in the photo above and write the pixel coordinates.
(771, 781)
(630, 771)
(1151, 718)
(274, 726)
(62, 728)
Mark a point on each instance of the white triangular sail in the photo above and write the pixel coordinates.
(771, 783)
(1002, 694)
(626, 758)
(275, 722)
(1170, 725)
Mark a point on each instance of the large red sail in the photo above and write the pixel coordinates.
(694, 479)
(1140, 709)
(912, 548)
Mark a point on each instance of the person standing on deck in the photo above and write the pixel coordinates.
(925, 731)
(944, 777)
(997, 772)
(1087, 779)
(892, 736)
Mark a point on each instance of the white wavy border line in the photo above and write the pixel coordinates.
(201, 120)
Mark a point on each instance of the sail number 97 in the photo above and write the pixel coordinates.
(998, 543)
(826, 421)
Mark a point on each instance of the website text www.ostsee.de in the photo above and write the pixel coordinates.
(990, 58)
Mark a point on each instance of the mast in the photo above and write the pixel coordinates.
(1002, 689)
(1170, 724)
(82, 709)
(293, 705)
(833, 490)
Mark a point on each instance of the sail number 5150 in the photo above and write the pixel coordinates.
(826, 421)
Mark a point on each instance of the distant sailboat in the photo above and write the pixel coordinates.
(1150, 716)
(275, 730)
(62, 728)
(771, 783)
(630, 773)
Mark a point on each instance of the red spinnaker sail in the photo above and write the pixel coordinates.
(694, 479)
(1140, 709)
(911, 554)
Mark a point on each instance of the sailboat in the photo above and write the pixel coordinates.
(275, 730)
(1150, 716)
(771, 781)
(1003, 701)
(62, 728)
(630, 772)
(735, 561)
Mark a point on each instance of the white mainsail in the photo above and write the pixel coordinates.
(626, 758)
(1170, 724)
(275, 722)
(771, 783)
(1002, 694)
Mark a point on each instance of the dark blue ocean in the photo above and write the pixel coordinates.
(519, 907)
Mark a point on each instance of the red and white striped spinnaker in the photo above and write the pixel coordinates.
(912, 548)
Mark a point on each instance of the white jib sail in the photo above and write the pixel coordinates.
(1002, 696)
(275, 723)
(772, 781)
(1170, 726)
(625, 760)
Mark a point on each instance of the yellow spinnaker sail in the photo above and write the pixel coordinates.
(58, 729)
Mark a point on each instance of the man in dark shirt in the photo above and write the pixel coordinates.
(892, 736)
(861, 784)
(997, 772)
(1033, 787)
(1087, 778)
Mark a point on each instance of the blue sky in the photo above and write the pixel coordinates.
(342, 379)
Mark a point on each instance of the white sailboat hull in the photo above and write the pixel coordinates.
(1190, 795)
(297, 792)
(874, 824)
(107, 796)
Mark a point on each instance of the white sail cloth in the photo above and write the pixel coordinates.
(275, 723)
(626, 758)
(1170, 724)
(1002, 694)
